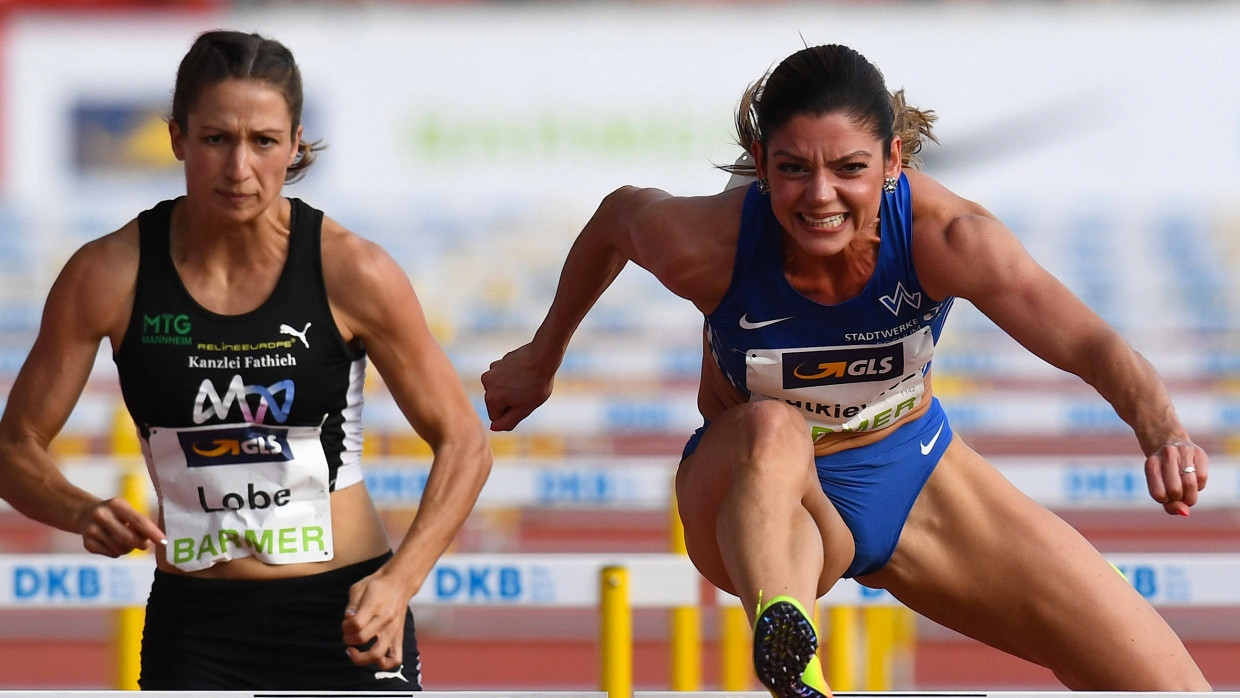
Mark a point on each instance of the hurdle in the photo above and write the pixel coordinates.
(645, 484)
(612, 584)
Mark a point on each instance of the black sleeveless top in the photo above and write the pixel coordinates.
(282, 364)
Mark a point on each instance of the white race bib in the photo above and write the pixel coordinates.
(846, 388)
(236, 490)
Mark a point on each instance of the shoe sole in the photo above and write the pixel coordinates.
(784, 644)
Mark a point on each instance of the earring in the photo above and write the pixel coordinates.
(764, 187)
(889, 185)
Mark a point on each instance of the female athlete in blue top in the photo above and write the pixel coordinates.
(824, 452)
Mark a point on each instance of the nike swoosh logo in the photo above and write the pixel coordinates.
(927, 448)
(747, 325)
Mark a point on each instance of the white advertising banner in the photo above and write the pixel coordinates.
(497, 104)
(474, 141)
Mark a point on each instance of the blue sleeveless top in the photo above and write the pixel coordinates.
(858, 365)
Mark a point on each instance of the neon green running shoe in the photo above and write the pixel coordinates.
(785, 648)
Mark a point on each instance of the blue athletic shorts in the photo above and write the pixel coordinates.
(267, 635)
(873, 487)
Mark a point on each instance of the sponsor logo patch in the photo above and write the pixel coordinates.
(234, 446)
(839, 366)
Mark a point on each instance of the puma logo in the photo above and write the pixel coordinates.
(285, 329)
(392, 674)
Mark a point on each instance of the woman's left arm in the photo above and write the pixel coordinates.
(961, 250)
(375, 303)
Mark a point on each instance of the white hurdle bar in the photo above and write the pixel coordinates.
(563, 580)
(645, 483)
(569, 580)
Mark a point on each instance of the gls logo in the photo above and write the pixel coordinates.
(804, 369)
(255, 445)
(211, 404)
(232, 446)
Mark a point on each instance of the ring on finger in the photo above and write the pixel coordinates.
(1189, 469)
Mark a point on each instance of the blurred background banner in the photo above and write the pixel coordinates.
(469, 105)
(474, 140)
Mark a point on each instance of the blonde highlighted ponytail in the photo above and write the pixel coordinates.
(913, 126)
(747, 132)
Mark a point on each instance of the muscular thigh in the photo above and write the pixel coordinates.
(980, 557)
(705, 478)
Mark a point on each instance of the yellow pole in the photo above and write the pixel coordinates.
(686, 648)
(841, 648)
(686, 624)
(735, 648)
(129, 621)
(615, 633)
(880, 645)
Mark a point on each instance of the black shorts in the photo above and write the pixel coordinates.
(282, 634)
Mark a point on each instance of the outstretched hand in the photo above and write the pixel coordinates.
(113, 527)
(1175, 474)
(515, 386)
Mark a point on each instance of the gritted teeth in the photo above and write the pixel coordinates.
(828, 222)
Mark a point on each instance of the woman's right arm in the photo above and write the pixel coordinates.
(519, 382)
(661, 233)
(88, 301)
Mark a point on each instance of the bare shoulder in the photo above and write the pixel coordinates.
(106, 266)
(685, 218)
(935, 207)
(955, 240)
(942, 218)
(115, 252)
(95, 289)
(364, 283)
(354, 265)
(344, 252)
(686, 240)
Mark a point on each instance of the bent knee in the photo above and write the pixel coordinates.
(774, 421)
(772, 435)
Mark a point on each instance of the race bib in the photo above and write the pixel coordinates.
(844, 388)
(240, 490)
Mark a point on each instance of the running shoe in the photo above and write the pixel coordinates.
(785, 651)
